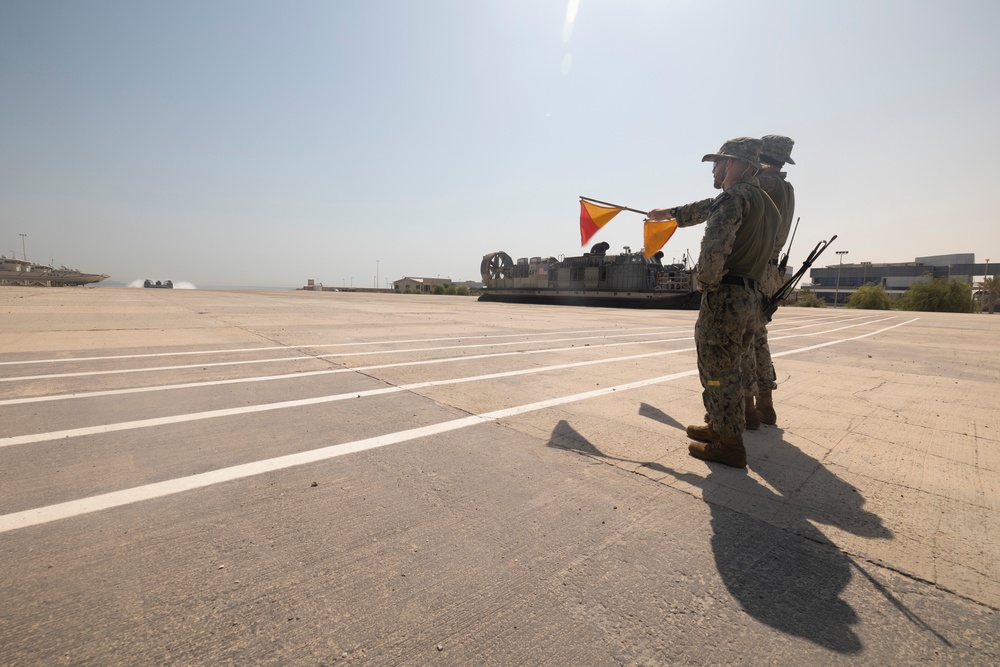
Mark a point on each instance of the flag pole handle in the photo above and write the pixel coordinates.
(624, 208)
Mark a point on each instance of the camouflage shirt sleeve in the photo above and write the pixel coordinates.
(693, 214)
(720, 233)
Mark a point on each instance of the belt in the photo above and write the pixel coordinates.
(736, 280)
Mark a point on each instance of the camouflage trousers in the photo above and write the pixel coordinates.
(758, 369)
(728, 322)
(772, 280)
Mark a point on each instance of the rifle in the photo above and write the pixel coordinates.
(771, 304)
(783, 264)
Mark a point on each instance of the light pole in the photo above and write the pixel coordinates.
(983, 292)
(836, 294)
(376, 273)
(24, 253)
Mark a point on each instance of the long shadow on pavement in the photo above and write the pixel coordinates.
(790, 577)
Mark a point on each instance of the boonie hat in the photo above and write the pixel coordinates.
(777, 150)
(741, 148)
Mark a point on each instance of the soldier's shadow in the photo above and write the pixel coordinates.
(802, 483)
(789, 577)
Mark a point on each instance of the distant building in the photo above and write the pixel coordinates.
(422, 285)
(419, 285)
(839, 281)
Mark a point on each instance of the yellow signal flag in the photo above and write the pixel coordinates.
(655, 233)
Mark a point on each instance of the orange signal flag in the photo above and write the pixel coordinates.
(593, 217)
(655, 233)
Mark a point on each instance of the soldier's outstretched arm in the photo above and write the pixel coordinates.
(687, 215)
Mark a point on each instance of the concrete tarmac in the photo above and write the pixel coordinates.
(315, 478)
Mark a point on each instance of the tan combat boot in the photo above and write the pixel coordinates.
(766, 408)
(727, 451)
(753, 418)
(703, 432)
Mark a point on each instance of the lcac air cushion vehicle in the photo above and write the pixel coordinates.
(596, 278)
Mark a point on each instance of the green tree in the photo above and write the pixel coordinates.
(940, 295)
(809, 300)
(462, 290)
(991, 293)
(450, 289)
(438, 289)
(870, 296)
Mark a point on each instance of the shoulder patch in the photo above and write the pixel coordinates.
(718, 201)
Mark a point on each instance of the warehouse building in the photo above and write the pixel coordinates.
(836, 283)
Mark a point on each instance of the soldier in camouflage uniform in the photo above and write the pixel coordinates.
(737, 245)
(776, 152)
(690, 215)
(753, 380)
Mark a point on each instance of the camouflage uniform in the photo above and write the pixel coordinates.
(723, 335)
(759, 353)
(736, 247)
(690, 215)
(778, 149)
(696, 213)
(760, 367)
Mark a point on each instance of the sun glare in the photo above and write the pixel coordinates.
(571, 9)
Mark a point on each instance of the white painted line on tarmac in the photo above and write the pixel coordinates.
(210, 383)
(316, 346)
(73, 508)
(826, 331)
(120, 371)
(357, 369)
(660, 329)
(308, 357)
(332, 371)
(266, 407)
(843, 340)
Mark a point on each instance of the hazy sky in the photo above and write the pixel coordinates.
(241, 142)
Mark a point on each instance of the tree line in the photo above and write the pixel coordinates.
(940, 295)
